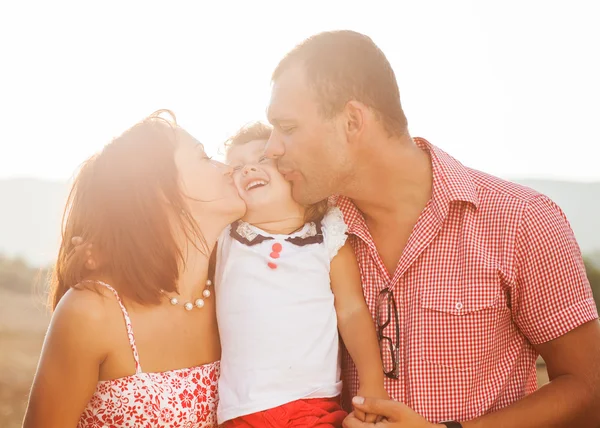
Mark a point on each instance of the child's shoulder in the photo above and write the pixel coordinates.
(333, 214)
(333, 218)
(334, 231)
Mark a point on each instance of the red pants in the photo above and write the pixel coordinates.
(312, 412)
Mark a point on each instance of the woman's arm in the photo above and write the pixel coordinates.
(67, 373)
(355, 322)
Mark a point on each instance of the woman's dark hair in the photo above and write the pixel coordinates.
(126, 200)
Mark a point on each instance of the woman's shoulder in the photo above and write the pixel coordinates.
(85, 307)
(81, 323)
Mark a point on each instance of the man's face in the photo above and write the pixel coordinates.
(310, 148)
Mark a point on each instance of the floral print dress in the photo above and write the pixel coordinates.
(176, 398)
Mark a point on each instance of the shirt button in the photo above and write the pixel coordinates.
(458, 306)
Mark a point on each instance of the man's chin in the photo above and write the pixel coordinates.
(305, 196)
(301, 196)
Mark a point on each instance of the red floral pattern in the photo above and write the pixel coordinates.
(184, 398)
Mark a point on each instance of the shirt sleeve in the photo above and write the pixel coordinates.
(552, 294)
(334, 231)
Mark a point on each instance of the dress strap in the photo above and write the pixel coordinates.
(136, 357)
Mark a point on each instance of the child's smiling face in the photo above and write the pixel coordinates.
(268, 196)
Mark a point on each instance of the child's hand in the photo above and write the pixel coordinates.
(378, 392)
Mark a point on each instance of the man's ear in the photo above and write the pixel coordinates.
(355, 117)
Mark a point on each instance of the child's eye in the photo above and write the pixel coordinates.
(263, 159)
(237, 168)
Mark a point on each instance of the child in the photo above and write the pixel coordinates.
(286, 282)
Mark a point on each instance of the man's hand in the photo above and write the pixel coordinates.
(377, 392)
(395, 415)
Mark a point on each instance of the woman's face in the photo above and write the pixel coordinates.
(207, 184)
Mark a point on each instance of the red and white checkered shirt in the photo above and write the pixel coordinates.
(490, 269)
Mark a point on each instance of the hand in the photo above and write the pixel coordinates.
(376, 392)
(394, 413)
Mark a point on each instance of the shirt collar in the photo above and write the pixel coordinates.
(452, 182)
(247, 234)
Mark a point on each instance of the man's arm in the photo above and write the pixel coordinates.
(571, 399)
(553, 306)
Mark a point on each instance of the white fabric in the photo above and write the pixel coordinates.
(278, 327)
(334, 231)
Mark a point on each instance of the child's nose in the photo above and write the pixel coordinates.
(248, 169)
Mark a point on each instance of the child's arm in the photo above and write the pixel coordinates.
(356, 325)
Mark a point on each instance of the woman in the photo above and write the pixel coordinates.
(135, 342)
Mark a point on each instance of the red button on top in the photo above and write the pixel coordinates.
(277, 247)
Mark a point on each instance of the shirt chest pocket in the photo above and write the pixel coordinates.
(458, 325)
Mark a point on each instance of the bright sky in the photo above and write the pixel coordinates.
(509, 87)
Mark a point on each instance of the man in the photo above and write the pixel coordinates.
(468, 277)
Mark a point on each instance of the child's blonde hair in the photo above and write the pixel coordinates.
(261, 131)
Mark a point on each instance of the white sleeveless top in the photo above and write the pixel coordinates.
(276, 316)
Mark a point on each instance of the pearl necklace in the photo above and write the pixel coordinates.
(199, 303)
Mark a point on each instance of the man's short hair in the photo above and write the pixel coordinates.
(345, 65)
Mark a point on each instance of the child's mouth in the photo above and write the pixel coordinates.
(255, 184)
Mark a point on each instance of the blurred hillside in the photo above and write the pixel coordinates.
(32, 209)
